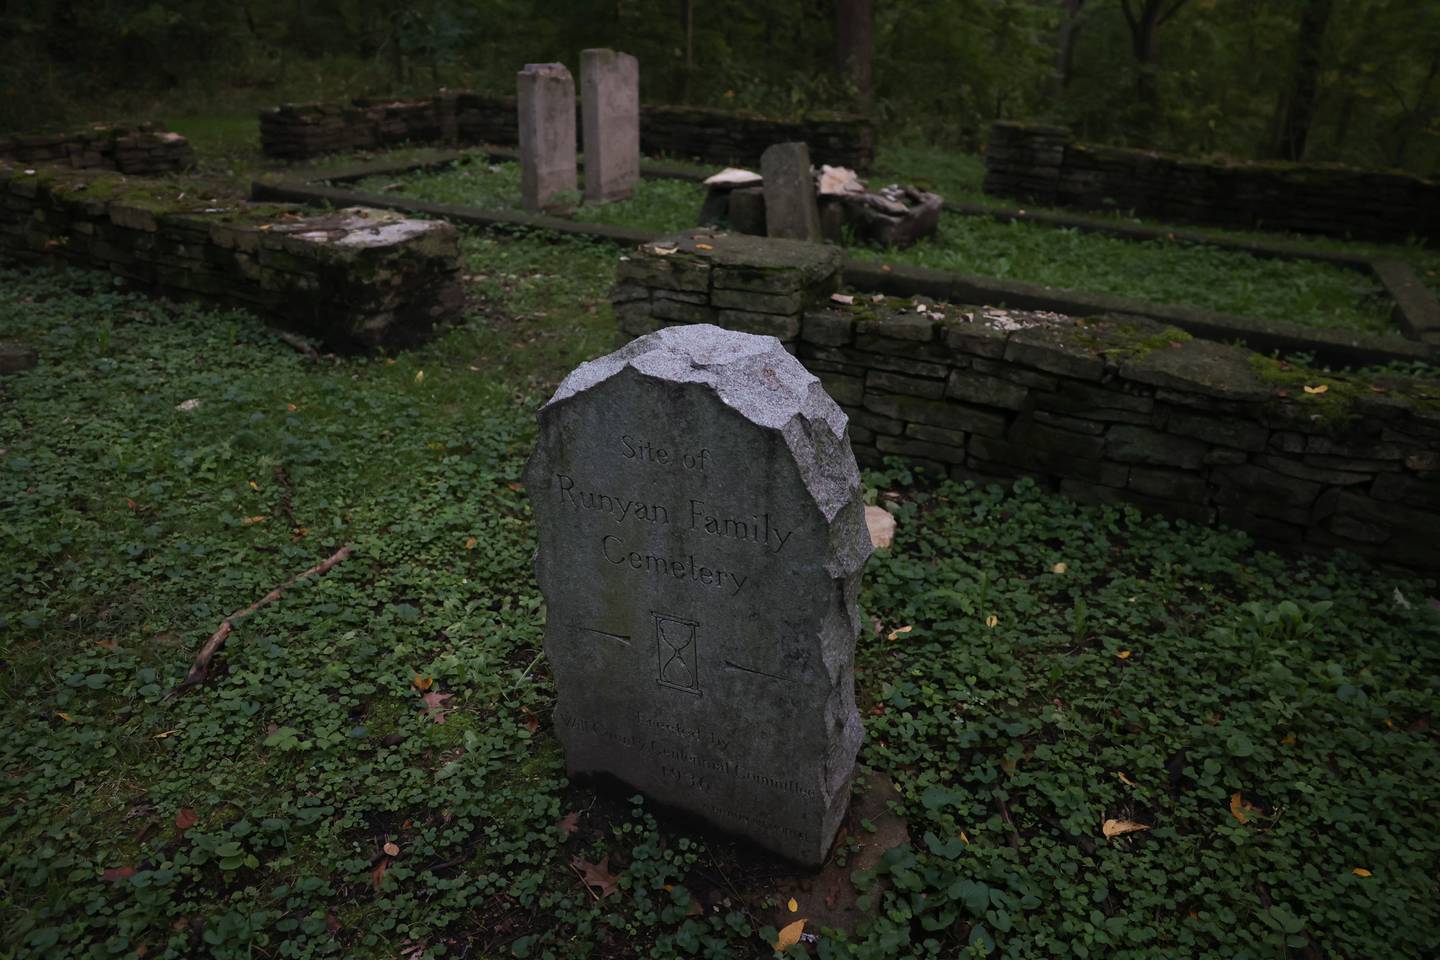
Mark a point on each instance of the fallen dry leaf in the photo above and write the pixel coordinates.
(597, 875)
(254, 486)
(435, 705)
(378, 874)
(1362, 872)
(569, 823)
(964, 839)
(251, 521)
(790, 934)
(793, 905)
(660, 251)
(186, 819)
(898, 632)
(1123, 655)
(1321, 388)
(422, 683)
(1239, 808)
(844, 298)
(1059, 568)
(392, 848)
(703, 246)
(118, 873)
(992, 621)
(1125, 780)
(1118, 828)
(470, 543)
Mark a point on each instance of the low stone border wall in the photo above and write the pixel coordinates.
(1328, 346)
(1045, 164)
(354, 279)
(144, 149)
(1108, 409)
(298, 131)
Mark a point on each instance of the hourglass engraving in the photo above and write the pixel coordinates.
(675, 650)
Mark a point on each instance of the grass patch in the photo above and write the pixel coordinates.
(1165, 674)
(1301, 292)
(660, 205)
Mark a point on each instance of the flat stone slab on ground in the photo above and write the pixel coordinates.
(16, 356)
(701, 540)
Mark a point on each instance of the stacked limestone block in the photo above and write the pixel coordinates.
(355, 279)
(739, 282)
(298, 131)
(1112, 409)
(726, 137)
(143, 150)
(1044, 164)
(1024, 161)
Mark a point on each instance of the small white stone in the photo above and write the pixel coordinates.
(881, 523)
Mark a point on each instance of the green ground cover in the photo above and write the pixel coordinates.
(1268, 719)
(1308, 293)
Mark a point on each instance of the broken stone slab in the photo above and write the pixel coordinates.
(610, 107)
(545, 94)
(790, 210)
(701, 541)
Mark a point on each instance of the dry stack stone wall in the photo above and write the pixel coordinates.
(1046, 165)
(1105, 409)
(144, 149)
(354, 279)
(298, 131)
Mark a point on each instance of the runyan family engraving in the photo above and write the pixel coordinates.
(701, 540)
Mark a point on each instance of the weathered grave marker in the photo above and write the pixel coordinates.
(545, 94)
(701, 540)
(791, 212)
(610, 108)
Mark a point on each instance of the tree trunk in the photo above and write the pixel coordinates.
(1299, 110)
(1145, 23)
(855, 47)
(1069, 31)
(687, 15)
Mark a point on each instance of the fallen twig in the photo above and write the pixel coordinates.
(1005, 816)
(201, 667)
(299, 343)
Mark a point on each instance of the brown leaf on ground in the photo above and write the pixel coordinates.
(1117, 828)
(392, 848)
(118, 873)
(1239, 807)
(378, 874)
(569, 823)
(186, 819)
(435, 705)
(790, 934)
(597, 876)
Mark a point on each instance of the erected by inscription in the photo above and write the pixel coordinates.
(702, 536)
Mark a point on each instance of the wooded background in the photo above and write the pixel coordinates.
(1353, 81)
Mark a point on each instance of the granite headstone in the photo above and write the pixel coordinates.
(791, 212)
(610, 113)
(545, 99)
(701, 542)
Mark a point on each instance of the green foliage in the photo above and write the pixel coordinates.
(251, 816)
(1302, 292)
(660, 205)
